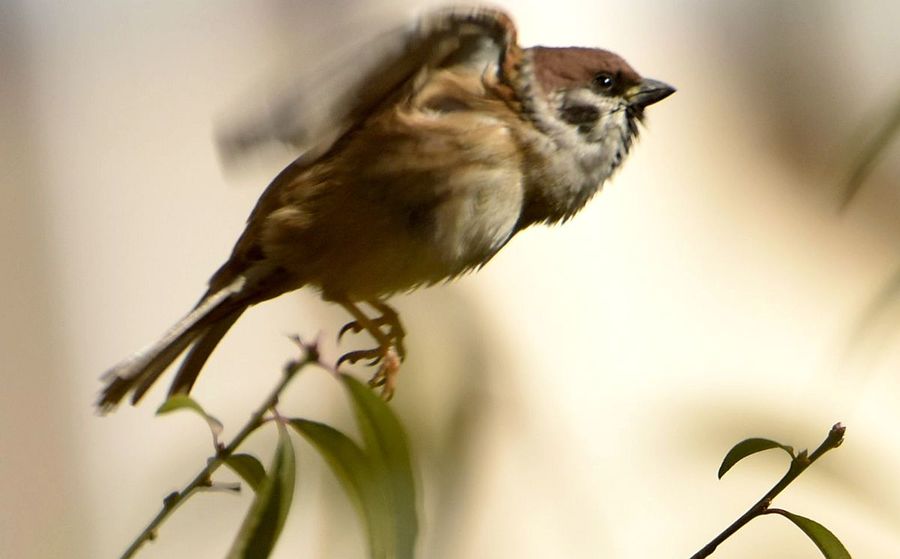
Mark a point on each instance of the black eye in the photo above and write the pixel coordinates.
(604, 81)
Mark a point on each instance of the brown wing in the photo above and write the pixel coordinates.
(481, 37)
(313, 114)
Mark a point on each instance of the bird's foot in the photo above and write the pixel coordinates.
(393, 332)
(390, 351)
(388, 360)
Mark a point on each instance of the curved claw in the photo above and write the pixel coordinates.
(353, 325)
(378, 379)
(354, 356)
(341, 361)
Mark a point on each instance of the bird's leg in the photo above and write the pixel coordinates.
(391, 319)
(390, 350)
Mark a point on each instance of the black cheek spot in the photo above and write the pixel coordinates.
(583, 116)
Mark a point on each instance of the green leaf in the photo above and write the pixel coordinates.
(353, 469)
(828, 544)
(248, 467)
(388, 453)
(183, 401)
(872, 151)
(267, 514)
(747, 447)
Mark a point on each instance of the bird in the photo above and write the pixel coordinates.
(444, 150)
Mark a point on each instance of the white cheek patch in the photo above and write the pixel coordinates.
(584, 96)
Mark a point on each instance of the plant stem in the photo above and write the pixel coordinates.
(798, 465)
(204, 478)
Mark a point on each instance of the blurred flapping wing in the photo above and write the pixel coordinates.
(309, 116)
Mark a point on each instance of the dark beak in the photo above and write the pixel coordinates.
(648, 92)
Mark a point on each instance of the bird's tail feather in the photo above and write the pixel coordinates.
(206, 325)
(199, 353)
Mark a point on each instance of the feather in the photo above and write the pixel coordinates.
(138, 372)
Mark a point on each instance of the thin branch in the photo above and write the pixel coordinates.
(798, 466)
(203, 480)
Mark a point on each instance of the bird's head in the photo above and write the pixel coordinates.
(590, 97)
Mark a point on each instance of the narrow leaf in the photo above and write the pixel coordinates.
(872, 151)
(248, 467)
(386, 447)
(267, 514)
(747, 447)
(828, 544)
(182, 402)
(352, 468)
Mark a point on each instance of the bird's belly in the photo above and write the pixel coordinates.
(389, 245)
(414, 198)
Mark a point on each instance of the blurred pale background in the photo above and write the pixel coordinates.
(574, 398)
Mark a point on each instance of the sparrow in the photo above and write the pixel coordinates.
(441, 153)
